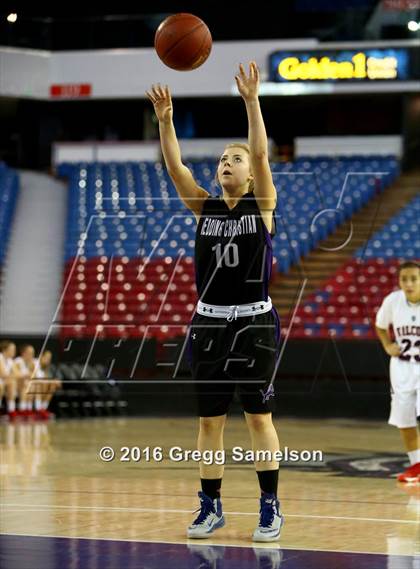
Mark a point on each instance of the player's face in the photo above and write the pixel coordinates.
(46, 358)
(28, 354)
(410, 283)
(10, 351)
(234, 168)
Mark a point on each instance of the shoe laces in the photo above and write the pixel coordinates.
(206, 508)
(267, 512)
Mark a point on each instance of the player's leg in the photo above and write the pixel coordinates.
(51, 387)
(264, 438)
(37, 391)
(260, 345)
(210, 517)
(11, 394)
(213, 401)
(404, 410)
(1, 391)
(210, 438)
(30, 398)
(411, 442)
(24, 406)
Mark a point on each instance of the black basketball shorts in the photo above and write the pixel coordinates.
(226, 355)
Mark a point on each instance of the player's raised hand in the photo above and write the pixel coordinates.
(248, 85)
(393, 350)
(162, 102)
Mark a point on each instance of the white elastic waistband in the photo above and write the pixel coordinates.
(233, 311)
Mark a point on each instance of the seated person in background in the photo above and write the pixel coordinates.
(25, 365)
(8, 379)
(43, 371)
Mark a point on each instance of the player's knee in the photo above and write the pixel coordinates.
(211, 425)
(259, 422)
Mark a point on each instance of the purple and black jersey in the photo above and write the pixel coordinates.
(233, 252)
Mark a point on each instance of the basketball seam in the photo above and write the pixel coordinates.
(203, 42)
(182, 39)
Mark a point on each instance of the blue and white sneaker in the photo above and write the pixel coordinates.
(271, 519)
(210, 518)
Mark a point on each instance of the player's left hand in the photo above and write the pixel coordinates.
(248, 85)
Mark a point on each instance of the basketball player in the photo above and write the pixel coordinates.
(43, 371)
(235, 331)
(25, 366)
(401, 310)
(8, 380)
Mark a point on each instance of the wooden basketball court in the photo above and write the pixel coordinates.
(346, 511)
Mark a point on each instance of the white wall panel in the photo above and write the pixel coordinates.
(348, 145)
(129, 73)
(24, 73)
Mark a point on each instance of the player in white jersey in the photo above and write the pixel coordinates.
(25, 364)
(401, 310)
(43, 371)
(8, 380)
(33, 369)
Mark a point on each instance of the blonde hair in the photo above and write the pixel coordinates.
(245, 147)
(4, 344)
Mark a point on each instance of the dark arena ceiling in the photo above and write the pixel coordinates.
(75, 25)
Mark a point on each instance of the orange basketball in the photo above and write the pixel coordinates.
(183, 42)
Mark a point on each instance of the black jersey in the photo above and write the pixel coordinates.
(233, 252)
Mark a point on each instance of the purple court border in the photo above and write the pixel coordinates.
(36, 552)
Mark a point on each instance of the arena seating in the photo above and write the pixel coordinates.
(84, 397)
(347, 303)
(130, 241)
(9, 187)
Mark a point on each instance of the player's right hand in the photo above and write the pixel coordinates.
(162, 102)
(393, 350)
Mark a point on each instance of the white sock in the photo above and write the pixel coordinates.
(38, 403)
(22, 406)
(29, 405)
(44, 405)
(414, 456)
(11, 405)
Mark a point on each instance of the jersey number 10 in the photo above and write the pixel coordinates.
(230, 254)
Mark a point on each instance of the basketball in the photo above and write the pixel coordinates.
(183, 42)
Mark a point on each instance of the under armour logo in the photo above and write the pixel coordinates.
(207, 309)
(193, 336)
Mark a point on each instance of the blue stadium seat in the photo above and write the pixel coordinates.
(103, 191)
(9, 188)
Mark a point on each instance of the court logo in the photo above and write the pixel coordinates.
(374, 466)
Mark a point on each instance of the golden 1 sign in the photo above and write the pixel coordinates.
(365, 65)
(360, 67)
